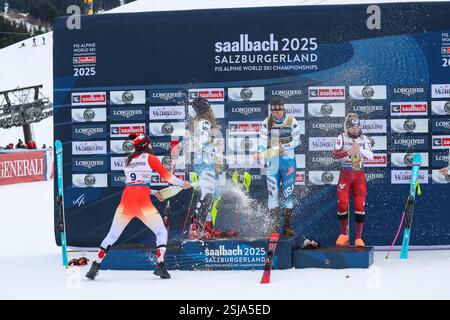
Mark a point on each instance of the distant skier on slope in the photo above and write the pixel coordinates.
(136, 203)
(351, 148)
(281, 132)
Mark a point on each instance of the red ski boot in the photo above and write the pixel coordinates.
(195, 231)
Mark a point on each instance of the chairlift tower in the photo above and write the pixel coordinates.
(22, 106)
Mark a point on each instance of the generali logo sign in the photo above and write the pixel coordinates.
(22, 167)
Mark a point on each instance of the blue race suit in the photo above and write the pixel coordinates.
(283, 133)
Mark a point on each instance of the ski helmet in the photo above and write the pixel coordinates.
(352, 120)
(140, 142)
(200, 105)
(277, 104)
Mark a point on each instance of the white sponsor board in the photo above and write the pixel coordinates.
(440, 108)
(88, 147)
(89, 115)
(238, 144)
(88, 98)
(300, 178)
(378, 143)
(121, 146)
(118, 163)
(244, 161)
(379, 160)
(409, 108)
(295, 109)
(326, 93)
(177, 129)
(323, 177)
(404, 176)
(437, 177)
(368, 92)
(405, 159)
(440, 91)
(319, 110)
(125, 129)
(409, 125)
(244, 127)
(95, 180)
(322, 143)
(177, 112)
(211, 94)
(300, 160)
(127, 97)
(373, 126)
(441, 142)
(246, 94)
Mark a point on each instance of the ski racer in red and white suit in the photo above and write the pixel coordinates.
(351, 149)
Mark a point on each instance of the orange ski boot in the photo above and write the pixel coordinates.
(359, 243)
(342, 241)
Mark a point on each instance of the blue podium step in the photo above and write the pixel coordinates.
(227, 254)
(333, 258)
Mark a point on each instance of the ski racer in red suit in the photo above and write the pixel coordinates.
(136, 203)
(351, 148)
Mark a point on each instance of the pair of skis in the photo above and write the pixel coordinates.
(273, 241)
(60, 225)
(409, 209)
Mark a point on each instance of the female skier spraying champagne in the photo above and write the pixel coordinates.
(208, 165)
(136, 203)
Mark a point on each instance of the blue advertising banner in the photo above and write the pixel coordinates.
(137, 73)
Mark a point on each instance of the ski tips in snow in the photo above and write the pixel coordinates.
(273, 241)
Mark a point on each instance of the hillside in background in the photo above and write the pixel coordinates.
(27, 18)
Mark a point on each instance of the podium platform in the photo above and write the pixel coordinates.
(226, 254)
(333, 258)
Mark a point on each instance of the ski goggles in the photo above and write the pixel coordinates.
(353, 123)
(276, 107)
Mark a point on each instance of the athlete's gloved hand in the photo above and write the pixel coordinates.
(158, 196)
(186, 185)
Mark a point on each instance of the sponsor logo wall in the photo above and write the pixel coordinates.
(392, 126)
(403, 107)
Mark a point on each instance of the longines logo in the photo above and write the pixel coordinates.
(368, 109)
(327, 126)
(246, 110)
(409, 91)
(287, 93)
(322, 160)
(89, 164)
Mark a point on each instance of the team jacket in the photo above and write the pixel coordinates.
(344, 143)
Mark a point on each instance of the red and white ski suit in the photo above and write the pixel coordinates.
(352, 178)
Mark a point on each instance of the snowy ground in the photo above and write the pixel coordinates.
(31, 268)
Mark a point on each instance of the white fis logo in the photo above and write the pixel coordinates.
(80, 201)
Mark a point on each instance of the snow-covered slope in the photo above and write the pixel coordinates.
(27, 66)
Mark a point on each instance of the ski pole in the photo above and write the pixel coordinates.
(235, 178)
(396, 236)
(194, 179)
